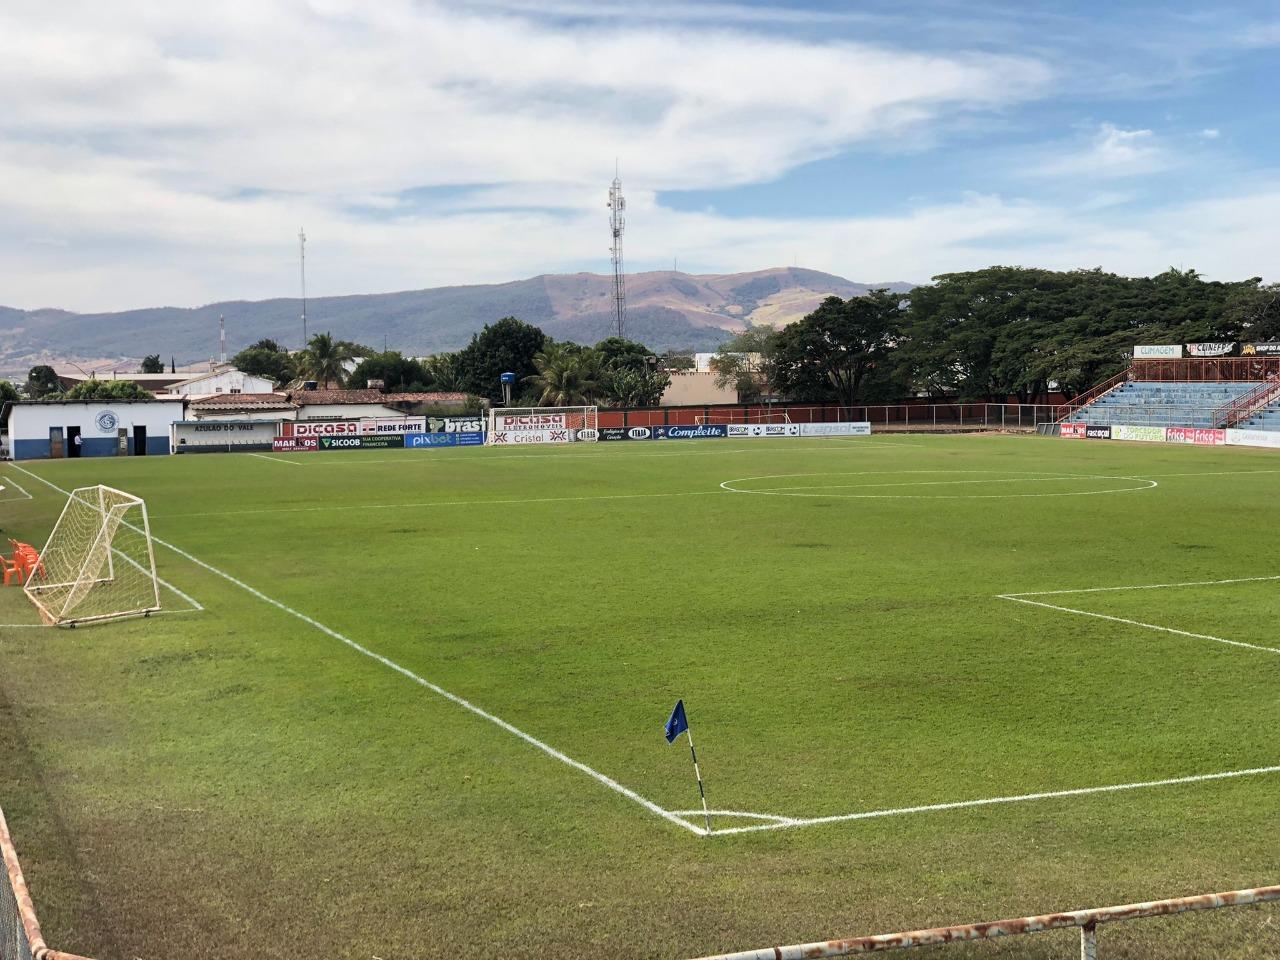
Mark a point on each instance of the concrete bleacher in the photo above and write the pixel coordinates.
(1172, 404)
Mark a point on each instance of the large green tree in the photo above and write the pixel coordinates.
(747, 363)
(266, 358)
(42, 381)
(506, 346)
(398, 373)
(567, 375)
(631, 375)
(152, 363)
(108, 390)
(8, 392)
(834, 352)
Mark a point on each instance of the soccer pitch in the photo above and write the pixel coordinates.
(410, 704)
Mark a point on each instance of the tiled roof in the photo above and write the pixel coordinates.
(243, 401)
(372, 396)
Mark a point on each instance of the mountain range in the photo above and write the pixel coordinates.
(665, 310)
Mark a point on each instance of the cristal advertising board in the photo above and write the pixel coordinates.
(1144, 434)
(470, 438)
(529, 421)
(1198, 435)
(1073, 431)
(1171, 351)
(380, 442)
(704, 431)
(294, 444)
(530, 435)
(1098, 432)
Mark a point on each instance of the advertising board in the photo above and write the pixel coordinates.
(452, 425)
(704, 431)
(531, 435)
(1158, 352)
(470, 438)
(1253, 438)
(294, 444)
(1073, 431)
(1145, 434)
(1260, 350)
(1098, 431)
(847, 429)
(529, 421)
(625, 433)
(1210, 349)
(1197, 435)
(384, 441)
(355, 428)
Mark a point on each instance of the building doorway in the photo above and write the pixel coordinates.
(139, 441)
(73, 441)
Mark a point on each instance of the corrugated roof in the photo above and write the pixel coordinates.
(243, 401)
(372, 396)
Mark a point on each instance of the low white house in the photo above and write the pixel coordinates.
(225, 380)
(103, 428)
(363, 404)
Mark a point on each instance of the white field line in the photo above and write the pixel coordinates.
(195, 604)
(264, 456)
(1140, 586)
(924, 483)
(440, 503)
(421, 681)
(800, 491)
(1216, 473)
(1139, 623)
(991, 801)
(14, 483)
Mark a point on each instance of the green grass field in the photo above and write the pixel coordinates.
(242, 780)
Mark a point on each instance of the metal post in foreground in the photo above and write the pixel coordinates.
(1086, 920)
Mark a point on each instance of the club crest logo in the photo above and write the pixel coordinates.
(107, 421)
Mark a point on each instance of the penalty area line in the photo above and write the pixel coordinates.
(264, 456)
(405, 672)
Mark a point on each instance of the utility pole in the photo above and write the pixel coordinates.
(302, 263)
(617, 206)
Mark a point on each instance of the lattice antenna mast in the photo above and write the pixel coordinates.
(617, 207)
(302, 266)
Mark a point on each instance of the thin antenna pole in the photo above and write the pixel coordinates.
(617, 222)
(222, 339)
(302, 263)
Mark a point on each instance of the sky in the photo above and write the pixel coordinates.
(168, 154)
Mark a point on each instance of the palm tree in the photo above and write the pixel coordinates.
(442, 372)
(567, 375)
(323, 360)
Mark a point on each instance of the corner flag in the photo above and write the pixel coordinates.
(678, 723)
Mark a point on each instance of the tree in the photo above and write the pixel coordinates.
(8, 393)
(1255, 309)
(266, 358)
(398, 373)
(567, 375)
(746, 363)
(108, 390)
(323, 360)
(442, 372)
(506, 346)
(42, 381)
(831, 353)
(151, 363)
(631, 373)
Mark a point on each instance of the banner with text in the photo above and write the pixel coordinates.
(1197, 435)
(531, 435)
(294, 444)
(530, 421)
(381, 442)
(469, 438)
(1074, 431)
(1144, 434)
(706, 431)
(1161, 352)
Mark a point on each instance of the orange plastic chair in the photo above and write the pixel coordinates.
(11, 569)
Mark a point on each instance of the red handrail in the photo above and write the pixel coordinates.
(1232, 412)
(1092, 394)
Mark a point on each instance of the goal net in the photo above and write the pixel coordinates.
(512, 425)
(98, 563)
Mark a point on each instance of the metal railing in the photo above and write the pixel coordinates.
(1087, 921)
(1092, 394)
(922, 417)
(1232, 412)
(20, 936)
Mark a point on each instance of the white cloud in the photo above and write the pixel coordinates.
(1112, 152)
(1210, 133)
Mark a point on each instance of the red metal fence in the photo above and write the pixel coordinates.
(896, 416)
(1226, 368)
(1087, 920)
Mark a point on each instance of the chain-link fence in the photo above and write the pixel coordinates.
(20, 937)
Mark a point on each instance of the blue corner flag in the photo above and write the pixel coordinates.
(678, 723)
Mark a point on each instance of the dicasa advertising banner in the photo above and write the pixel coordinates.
(1144, 434)
(529, 421)
(530, 435)
(470, 438)
(355, 428)
(704, 432)
(1198, 435)
(381, 442)
(1161, 352)
(1074, 431)
(294, 444)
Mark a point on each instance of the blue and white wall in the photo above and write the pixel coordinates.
(99, 421)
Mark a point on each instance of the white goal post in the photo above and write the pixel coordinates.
(513, 425)
(98, 563)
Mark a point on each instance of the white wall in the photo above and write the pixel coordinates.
(344, 411)
(98, 420)
(227, 381)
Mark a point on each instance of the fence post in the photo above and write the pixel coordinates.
(1089, 942)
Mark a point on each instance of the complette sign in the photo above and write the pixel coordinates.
(1158, 352)
(704, 431)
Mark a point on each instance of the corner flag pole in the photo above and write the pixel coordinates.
(698, 773)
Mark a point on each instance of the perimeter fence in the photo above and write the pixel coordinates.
(20, 936)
